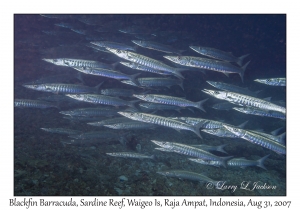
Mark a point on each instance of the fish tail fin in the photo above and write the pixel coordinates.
(260, 162)
(275, 132)
(200, 103)
(181, 84)
(240, 61)
(281, 138)
(132, 103)
(221, 148)
(113, 65)
(225, 159)
(243, 71)
(196, 129)
(98, 86)
(134, 80)
(243, 124)
(178, 74)
(79, 77)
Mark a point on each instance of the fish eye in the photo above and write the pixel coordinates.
(235, 129)
(268, 80)
(54, 60)
(179, 58)
(216, 92)
(35, 86)
(118, 51)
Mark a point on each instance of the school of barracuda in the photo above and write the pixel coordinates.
(135, 107)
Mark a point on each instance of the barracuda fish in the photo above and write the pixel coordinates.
(130, 125)
(113, 45)
(146, 61)
(135, 30)
(117, 92)
(260, 112)
(61, 131)
(91, 112)
(157, 46)
(209, 64)
(76, 119)
(65, 25)
(210, 148)
(170, 100)
(131, 155)
(278, 138)
(207, 148)
(109, 73)
(145, 68)
(78, 63)
(27, 103)
(205, 123)
(219, 54)
(244, 100)
(102, 99)
(63, 88)
(191, 151)
(111, 121)
(95, 47)
(180, 174)
(156, 82)
(273, 81)
(235, 162)
(94, 135)
(163, 121)
(153, 106)
(232, 88)
(257, 139)
(223, 106)
(220, 132)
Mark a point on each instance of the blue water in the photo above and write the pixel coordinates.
(43, 165)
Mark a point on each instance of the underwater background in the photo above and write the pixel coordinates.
(53, 164)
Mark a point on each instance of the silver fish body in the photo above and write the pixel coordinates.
(94, 135)
(223, 106)
(117, 92)
(273, 81)
(146, 61)
(219, 54)
(92, 112)
(61, 131)
(27, 103)
(163, 121)
(234, 162)
(220, 132)
(77, 63)
(257, 139)
(62, 88)
(108, 73)
(130, 155)
(156, 46)
(101, 99)
(113, 45)
(170, 100)
(130, 125)
(155, 82)
(110, 121)
(144, 68)
(260, 112)
(244, 100)
(191, 151)
(231, 88)
(208, 64)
